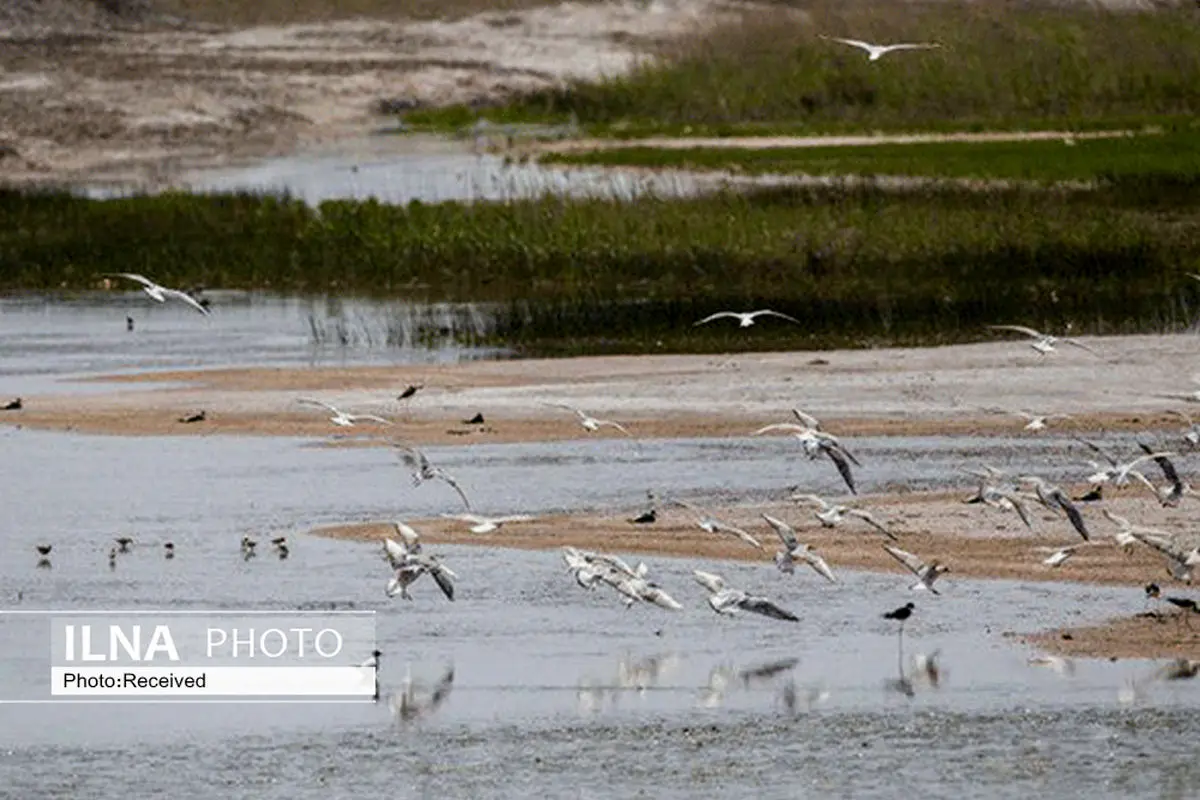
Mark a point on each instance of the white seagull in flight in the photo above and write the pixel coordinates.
(481, 524)
(745, 318)
(422, 470)
(711, 524)
(926, 573)
(831, 514)
(341, 418)
(1042, 342)
(160, 293)
(878, 51)
(795, 551)
(724, 600)
(590, 423)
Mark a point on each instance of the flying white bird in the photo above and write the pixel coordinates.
(590, 423)
(409, 563)
(1059, 555)
(1191, 434)
(160, 293)
(1181, 561)
(1034, 422)
(816, 442)
(1063, 666)
(422, 470)
(877, 51)
(926, 574)
(831, 514)
(1124, 537)
(1004, 499)
(481, 524)
(341, 418)
(1042, 342)
(724, 600)
(745, 318)
(1119, 472)
(711, 524)
(794, 551)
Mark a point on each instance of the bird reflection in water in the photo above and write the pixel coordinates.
(415, 701)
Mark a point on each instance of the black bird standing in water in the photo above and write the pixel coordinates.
(129, 323)
(13, 405)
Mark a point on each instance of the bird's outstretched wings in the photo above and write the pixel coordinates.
(1030, 332)
(308, 401)
(718, 315)
(187, 298)
(911, 562)
(787, 534)
(869, 518)
(709, 580)
(839, 458)
(766, 312)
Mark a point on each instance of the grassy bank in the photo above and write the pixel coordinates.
(858, 266)
(1001, 65)
(1176, 154)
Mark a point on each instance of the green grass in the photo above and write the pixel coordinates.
(1175, 154)
(859, 266)
(1002, 65)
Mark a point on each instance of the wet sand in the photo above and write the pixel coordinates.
(953, 390)
(945, 391)
(974, 541)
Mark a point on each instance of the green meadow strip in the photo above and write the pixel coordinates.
(1000, 66)
(1072, 159)
(860, 266)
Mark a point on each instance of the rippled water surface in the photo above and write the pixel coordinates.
(557, 690)
(42, 338)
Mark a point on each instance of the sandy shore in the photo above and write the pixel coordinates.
(866, 392)
(105, 100)
(976, 542)
(943, 390)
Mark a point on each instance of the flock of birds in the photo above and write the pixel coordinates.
(408, 560)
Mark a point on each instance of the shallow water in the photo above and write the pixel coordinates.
(541, 699)
(452, 175)
(45, 338)
(537, 700)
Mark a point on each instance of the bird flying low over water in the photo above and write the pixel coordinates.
(711, 524)
(745, 318)
(830, 514)
(160, 293)
(590, 423)
(1055, 499)
(408, 563)
(794, 551)
(422, 470)
(341, 418)
(926, 574)
(877, 51)
(481, 524)
(724, 600)
(815, 442)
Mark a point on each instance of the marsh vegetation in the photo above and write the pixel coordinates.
(858, 264)
(1000, 65)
